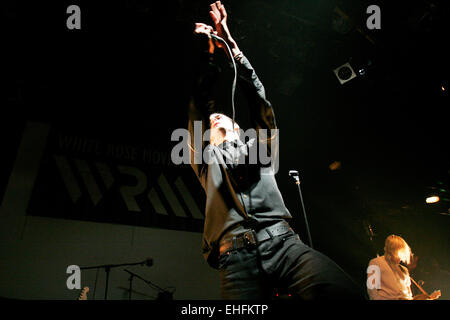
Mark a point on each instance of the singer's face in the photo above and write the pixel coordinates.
(221, 126)
(219, 120)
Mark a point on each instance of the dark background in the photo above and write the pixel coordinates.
(127, 76)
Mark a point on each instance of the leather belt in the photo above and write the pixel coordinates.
(254, 238)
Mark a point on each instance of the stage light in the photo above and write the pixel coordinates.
(345, 73)
(335, 165)
(432, 199)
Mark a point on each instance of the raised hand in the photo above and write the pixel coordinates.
(201, 28)
(435, 295)
(219, 16)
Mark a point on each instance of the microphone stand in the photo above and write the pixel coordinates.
(294, 174)
(108, 267)
(150, 284)
(131, 284)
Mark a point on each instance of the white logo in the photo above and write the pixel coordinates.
(374, 20)
(74, 20)
(181, 153)
(373, 277)
(74, 280)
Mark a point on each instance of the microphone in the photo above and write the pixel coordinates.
(216, 37)
(294, 175)
(148, 262)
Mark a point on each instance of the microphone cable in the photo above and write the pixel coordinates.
(233, 87)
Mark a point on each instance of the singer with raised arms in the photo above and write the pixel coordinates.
(247, 235)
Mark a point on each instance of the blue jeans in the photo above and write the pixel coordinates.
(284, 263)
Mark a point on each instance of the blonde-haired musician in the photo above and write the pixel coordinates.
(395, 281)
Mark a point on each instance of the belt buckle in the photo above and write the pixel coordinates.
(250, 238)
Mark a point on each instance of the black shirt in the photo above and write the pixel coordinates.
(240, 194)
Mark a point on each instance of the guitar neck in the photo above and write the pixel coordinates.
(420, 288)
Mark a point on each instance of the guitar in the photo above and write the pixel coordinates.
(83, 293)
(424, 295)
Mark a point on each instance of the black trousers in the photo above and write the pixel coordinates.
(284, 263)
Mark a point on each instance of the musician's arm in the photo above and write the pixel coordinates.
(201, 104)
(373, 294)
(261, 112)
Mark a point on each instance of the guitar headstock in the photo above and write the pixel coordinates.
(83, 293)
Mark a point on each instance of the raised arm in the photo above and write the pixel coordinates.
(201, 104)
(219, 16)
(261, 111)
